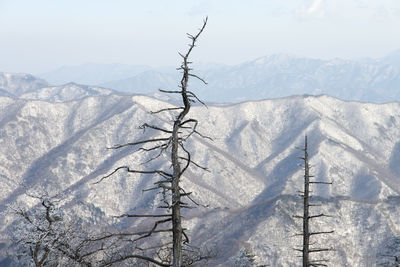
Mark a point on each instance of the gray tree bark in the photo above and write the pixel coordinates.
(306, 216)
(306, 234)
(172, 141)
(177, 172)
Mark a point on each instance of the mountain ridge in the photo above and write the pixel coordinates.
(27, 86)
(254, 174)
(273, 76)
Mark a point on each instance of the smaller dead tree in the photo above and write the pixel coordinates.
(307, 216)
(48, 235)
(43, 236)
(36, 232)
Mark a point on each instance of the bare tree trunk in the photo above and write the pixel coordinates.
(176, 142)
(306, 232)
(172, 141)
(176, 200)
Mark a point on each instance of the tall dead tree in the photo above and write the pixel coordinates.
(170, 142)
(307, 217)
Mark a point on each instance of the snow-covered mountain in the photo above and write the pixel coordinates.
(140, 83)
(370, 80)
(282, 75)
(26, 86)
(93, 74)
(66, 92)
(16, 84)
(254, 176)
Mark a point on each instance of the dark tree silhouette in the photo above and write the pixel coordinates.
(307, 217)
(169, 142)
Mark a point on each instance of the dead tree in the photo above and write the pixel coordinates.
(36, 233)
(307, 217)
(44, 236)
(170, 142)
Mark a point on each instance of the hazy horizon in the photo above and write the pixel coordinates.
(165, 67)
(43, 35)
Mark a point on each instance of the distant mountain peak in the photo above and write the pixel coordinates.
(393, 58)
(27, 86)
(15, 84)
(275, 58)
(271, 76)
(395, 53)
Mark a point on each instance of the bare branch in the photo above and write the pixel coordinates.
(186, 241)
(188, 159)
(191, 94)
(319, 250)
(145, 125)
(139, 143)
(189, 121)
(201, 79)
(320, 182)
(162, 149)
(112, 235)
(165, 109)
(319, 215)
(320, 233)
(196, 164)
(191, 199)
(136, 256)
(142, 215)
(153, 229)
(170, 92)
(159, 172)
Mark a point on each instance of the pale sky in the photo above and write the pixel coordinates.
(41, 35)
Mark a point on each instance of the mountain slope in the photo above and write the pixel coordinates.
(66, 92)
(254, 174)
(15, 84)
(26, 86)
